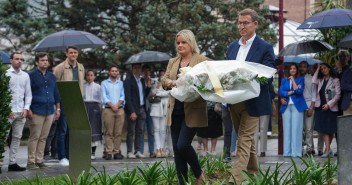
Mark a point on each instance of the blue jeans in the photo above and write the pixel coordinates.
(62, 139)
(150, 131)
(184, 153)
(233, 139)
(293, 130)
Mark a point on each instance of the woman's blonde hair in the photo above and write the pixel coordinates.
(191, 40)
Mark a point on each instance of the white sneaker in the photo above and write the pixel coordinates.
(130, 155)
(268, 133)
(140, 155)
(64, 162)
(92, 157)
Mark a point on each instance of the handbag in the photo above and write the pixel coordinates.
(154, 99)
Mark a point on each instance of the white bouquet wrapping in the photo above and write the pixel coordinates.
(227, 81)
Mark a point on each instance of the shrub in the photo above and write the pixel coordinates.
(5, 109)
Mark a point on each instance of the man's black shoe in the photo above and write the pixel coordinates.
(320, 153)
(118, 156)
(0, 170)
(230, 183)
(108, 157)
(227, 159)
(310, 152)
(15, 167)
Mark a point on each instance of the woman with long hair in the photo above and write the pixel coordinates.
(326, 108)
(293, 105)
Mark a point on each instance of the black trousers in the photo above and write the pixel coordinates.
(184, 153)
(226, 119)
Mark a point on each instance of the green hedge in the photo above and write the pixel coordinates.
(5, 110)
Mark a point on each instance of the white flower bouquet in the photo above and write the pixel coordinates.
(227, 81)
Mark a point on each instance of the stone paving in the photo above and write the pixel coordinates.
(112, 166)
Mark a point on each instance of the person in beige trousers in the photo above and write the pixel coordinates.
(113, 99)
(41, 114)
(245, 115)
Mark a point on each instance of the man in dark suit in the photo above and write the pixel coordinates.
(346, 88)
(135, 96)
(245, 115)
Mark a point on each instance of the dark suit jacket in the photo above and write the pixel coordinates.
(132, 95)
(346, 88)
(261, 52)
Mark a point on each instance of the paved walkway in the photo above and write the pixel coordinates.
(112, 166)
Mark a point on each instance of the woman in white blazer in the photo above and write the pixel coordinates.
(158, 114)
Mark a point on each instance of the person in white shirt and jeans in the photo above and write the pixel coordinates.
(21, 93)
(309, 93)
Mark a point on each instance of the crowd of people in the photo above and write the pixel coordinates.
(315, 98)
(143, 102)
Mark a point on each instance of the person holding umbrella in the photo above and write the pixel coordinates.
(185, 117)
(326, 108)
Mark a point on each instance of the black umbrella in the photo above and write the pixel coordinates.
(328, 19)
(346, 42)
(60, 40)
(148, 56)
(303, 47)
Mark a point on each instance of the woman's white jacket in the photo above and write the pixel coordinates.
(159, 109)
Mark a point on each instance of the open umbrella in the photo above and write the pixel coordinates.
(328, 19)
(303, 47)
(299, 59)
(5, 57)
(346, 42)
(148, 56)
(60, 40)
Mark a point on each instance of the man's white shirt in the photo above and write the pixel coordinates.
(310, 89)
(244, 49)
(20, 87)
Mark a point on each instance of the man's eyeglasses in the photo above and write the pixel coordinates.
(19, 59)
(243, 23)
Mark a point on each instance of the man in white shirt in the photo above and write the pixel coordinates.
(21, 93)
(309, 93)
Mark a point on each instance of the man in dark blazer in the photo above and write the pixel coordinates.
(346, 88)
(245, 115)
(135, 96)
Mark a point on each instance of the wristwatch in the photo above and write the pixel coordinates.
(58, 110)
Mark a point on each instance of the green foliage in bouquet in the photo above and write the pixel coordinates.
(202, 89)
(262, 80)
(225, 82)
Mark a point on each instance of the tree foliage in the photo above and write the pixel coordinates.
(130, 26)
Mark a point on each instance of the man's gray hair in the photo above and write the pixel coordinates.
(252, 13)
